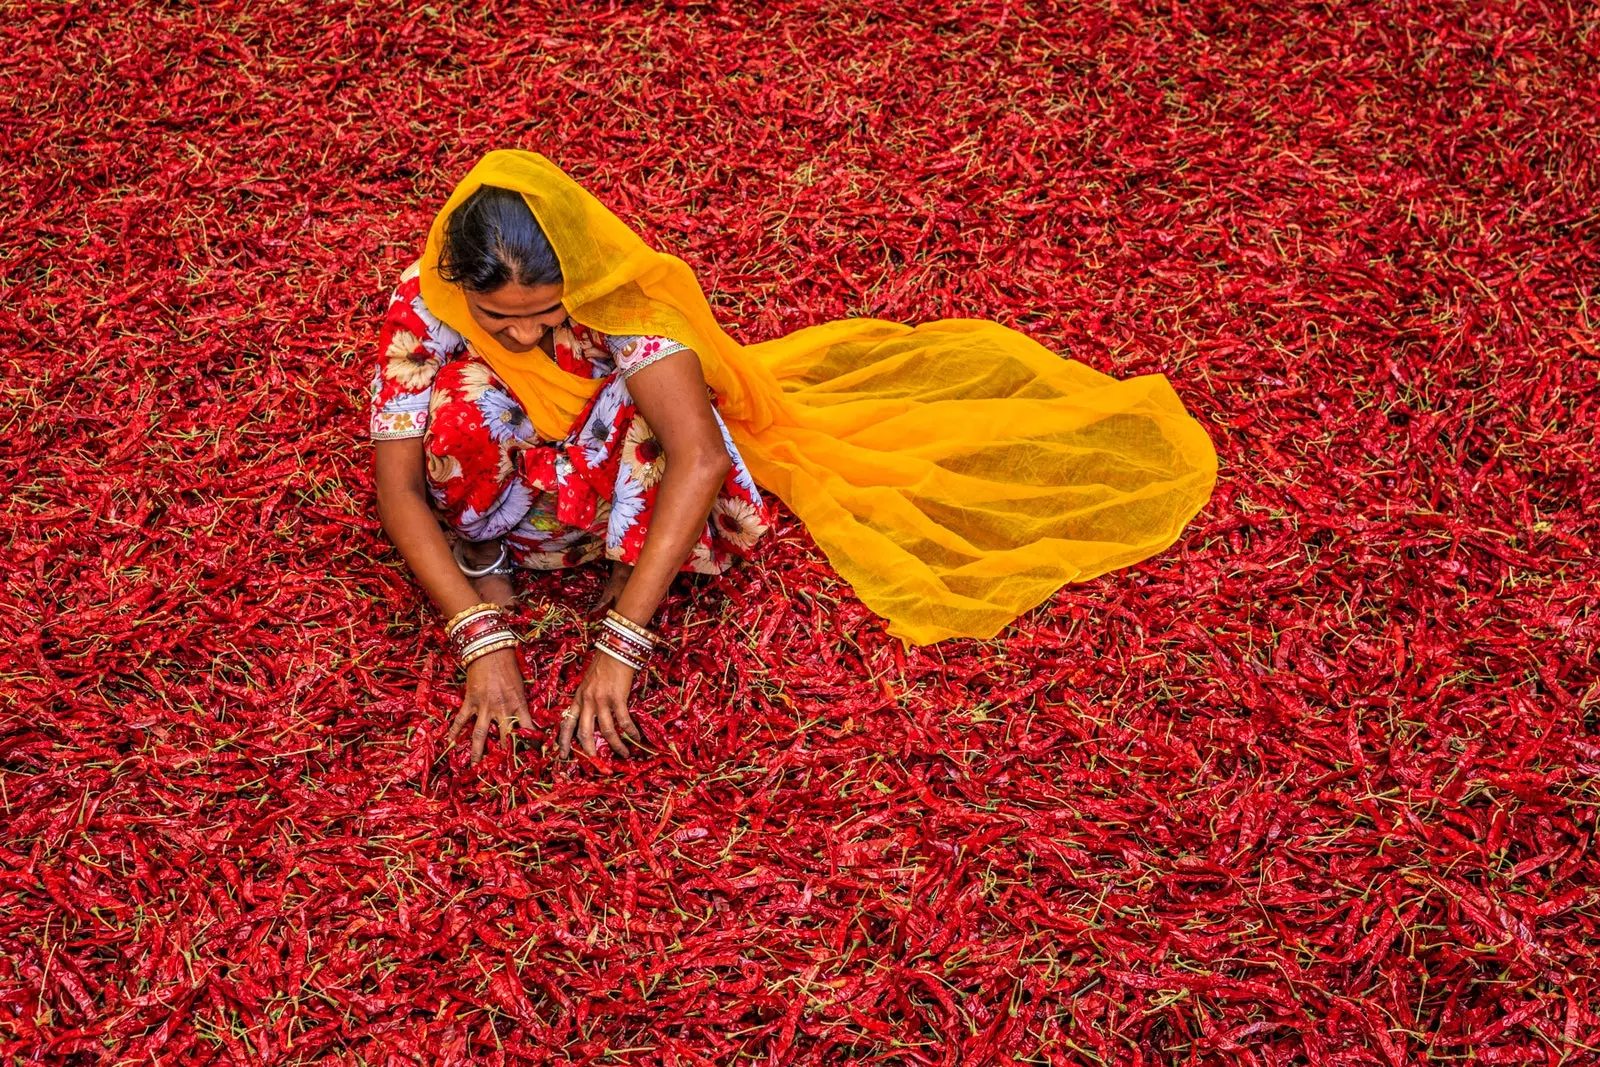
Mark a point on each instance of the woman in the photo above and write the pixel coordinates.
(557, 392)
(645, 466)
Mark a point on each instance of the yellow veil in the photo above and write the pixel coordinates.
(956, 473)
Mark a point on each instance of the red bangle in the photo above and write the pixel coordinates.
(628, 659)
(607, 639)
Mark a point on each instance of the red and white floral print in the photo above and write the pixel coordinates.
(558, 504)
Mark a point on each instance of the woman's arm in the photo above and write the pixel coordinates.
(494, 681)
(671, 397)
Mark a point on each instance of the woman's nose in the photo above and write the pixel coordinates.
(523, 335)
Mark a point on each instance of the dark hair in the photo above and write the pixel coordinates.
(492, 239)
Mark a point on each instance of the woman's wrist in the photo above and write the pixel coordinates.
(627, 643)
(600, 661)
(612, 657)
(490, 660)
(477, 631)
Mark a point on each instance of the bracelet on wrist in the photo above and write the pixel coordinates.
(473, 629)
(488, 645)
(612, 631)
(465, 613)
(484, 640)
(620, 657)
(478, 630)
(650, 637)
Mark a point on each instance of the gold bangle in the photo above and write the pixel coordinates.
(628, 638)
(504, 633)
(648, 634)
(468, 610)
(461, 616)
(469, 657)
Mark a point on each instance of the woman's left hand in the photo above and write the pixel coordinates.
(601, 701)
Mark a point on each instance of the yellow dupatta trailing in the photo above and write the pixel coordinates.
(956, 473)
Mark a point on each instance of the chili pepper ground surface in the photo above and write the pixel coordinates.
(1315, 786)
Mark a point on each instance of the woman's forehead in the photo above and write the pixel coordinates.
(513, 300)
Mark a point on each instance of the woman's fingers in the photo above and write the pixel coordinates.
(586, 731)
(506, 710)
(480, 733)
(608, 728)
(580, 725)
(613, 723)
(469, 708)
(568, 727)
(519, 708)
(626, 724)
(506, 718)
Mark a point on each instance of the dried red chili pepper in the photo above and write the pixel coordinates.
(1308, 786)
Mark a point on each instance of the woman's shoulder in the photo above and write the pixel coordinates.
(407, 310)
(409, 287)
(584, 349)
(633, 352)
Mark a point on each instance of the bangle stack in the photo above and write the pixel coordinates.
(626, 641)
(478, 631)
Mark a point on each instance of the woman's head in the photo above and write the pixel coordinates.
(494, 249)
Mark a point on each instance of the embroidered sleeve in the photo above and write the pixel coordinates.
(412, 345)
(635, 352)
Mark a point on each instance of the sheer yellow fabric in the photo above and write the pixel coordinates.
(956, 473)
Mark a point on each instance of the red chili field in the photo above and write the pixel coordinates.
(1314, 786)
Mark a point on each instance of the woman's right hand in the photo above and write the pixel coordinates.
(494, 691)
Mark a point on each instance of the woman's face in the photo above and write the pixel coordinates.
(517, 315)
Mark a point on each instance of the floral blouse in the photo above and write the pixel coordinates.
(413, 344)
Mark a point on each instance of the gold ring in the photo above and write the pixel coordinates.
(569, 713)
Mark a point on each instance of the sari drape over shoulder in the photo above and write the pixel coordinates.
(956, 473)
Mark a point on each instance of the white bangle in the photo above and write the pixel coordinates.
(620, 658)
(493, 636)
(469, 660)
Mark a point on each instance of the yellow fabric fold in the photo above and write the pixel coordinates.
(956, 473)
